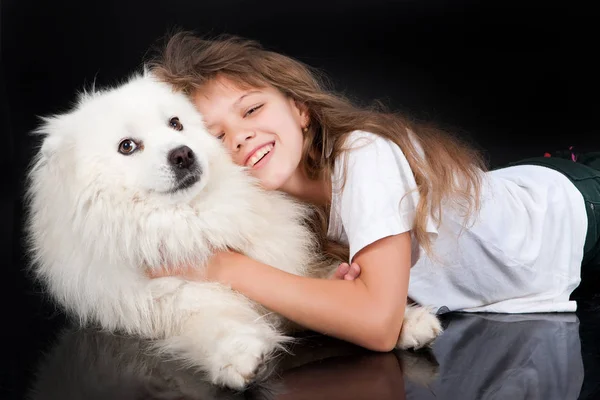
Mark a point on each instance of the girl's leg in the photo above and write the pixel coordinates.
(592, 160)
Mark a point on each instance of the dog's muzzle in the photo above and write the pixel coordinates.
(185, 167)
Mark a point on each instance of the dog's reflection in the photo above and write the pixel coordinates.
(90, 364)
(480, 356)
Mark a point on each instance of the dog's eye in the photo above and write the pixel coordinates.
(127, 147)
(175, 124)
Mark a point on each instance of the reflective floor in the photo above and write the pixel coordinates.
(479, 356)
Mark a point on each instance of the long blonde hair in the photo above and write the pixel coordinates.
(449, 171)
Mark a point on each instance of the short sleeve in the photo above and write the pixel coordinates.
(378, 197)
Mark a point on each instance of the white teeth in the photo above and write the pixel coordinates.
(260, 153)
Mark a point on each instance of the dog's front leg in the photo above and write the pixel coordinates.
(220, 331)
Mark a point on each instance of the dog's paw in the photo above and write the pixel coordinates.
(420, 328)
(239, 359)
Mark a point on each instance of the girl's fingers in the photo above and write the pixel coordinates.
(353, 272)
(341, 271)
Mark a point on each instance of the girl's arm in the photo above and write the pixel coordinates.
(367, 311)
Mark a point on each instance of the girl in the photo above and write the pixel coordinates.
(411, 205)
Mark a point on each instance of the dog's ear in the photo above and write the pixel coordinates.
(146, 73)
(50, 145)
(52, 137)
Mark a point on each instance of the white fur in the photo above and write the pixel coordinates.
(419, 328)
(99, 220)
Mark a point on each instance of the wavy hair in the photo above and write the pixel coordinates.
(447, 171)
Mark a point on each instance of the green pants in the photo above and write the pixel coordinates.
(585, 175)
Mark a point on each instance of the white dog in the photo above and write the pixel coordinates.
(130, 180)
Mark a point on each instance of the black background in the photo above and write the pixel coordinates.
(518, 78)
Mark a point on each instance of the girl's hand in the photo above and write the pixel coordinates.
(347, 272)
(187, 272)
(222, 265)
(215, 270)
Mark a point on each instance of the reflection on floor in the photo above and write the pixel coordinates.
(479, 356)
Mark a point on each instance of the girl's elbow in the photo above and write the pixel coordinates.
(382, 344)
(384, 337)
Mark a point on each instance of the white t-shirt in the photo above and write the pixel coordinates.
(522, 254)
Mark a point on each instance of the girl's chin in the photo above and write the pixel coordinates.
(269, 182)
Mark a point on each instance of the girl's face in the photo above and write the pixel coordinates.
(259, 126)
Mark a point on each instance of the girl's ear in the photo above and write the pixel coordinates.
(303, 113)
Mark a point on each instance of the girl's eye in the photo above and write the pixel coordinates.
(221, 136)
(252, 110)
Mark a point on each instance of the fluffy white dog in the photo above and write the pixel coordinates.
(130, 180)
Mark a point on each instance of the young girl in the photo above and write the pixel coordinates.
(411, 205)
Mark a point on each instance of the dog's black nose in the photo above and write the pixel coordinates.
(182, 157)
